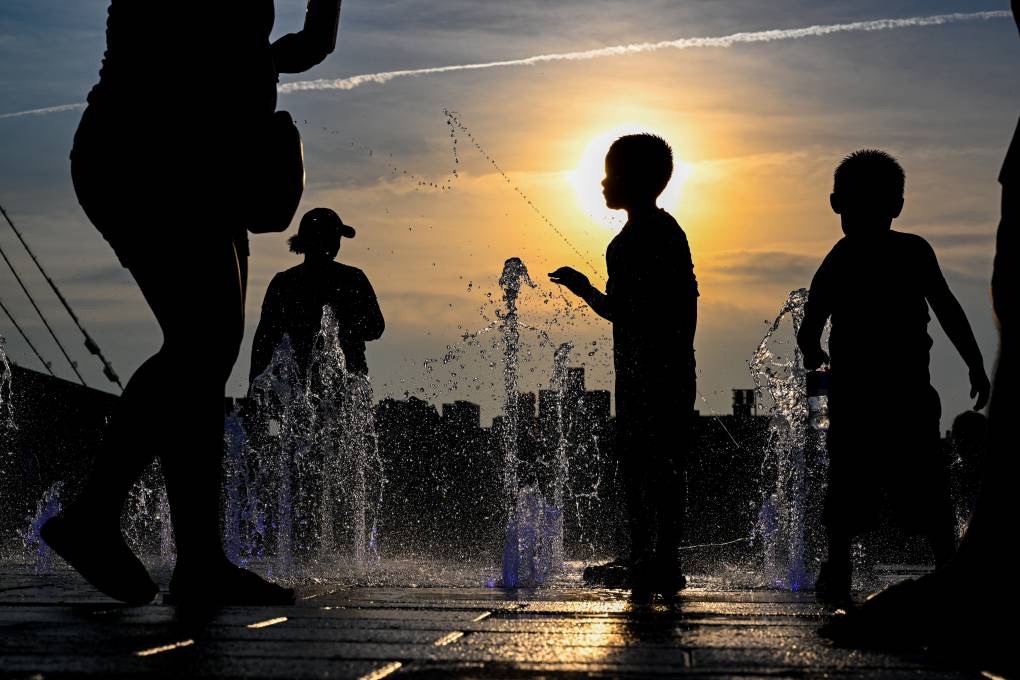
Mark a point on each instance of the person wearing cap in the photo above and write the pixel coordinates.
(295, 298)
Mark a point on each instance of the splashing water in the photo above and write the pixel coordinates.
(6, 395)
(533, 549)
(36, 552)
(264, 472)
(561, 465)
(302, 478)
(795, 456)
(145, 521)
(347, 448)
(515, 274)
(303, 472)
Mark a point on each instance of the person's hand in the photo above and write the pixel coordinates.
(815, 359)
(979, 387)
(573, 280)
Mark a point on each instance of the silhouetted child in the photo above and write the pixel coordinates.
(876, 285)
(651, 300)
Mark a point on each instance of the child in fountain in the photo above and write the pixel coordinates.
(876, 285)
(651, 299)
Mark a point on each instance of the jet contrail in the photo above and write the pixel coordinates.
(637, 48)
(44, 111)
(613, 51)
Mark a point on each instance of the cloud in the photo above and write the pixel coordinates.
(763, 267)
(745, 37)
(963, 239)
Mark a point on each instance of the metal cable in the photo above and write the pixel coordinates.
(17, 326)
(74, 366)
(91, 345)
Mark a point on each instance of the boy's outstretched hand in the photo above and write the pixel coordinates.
(979, 387)
(574, 281)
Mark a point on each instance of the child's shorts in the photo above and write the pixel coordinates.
(888, 460)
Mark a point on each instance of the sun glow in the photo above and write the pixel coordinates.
(587, 177)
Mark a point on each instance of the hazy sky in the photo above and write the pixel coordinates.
(756, 129)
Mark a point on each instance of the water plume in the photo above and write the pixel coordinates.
(795, 459)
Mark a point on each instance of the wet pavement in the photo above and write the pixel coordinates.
(54, 626)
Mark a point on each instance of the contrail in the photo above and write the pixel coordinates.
(613, 51)
(44, 111)
(638, 48)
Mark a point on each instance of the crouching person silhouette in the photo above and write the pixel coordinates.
(173, 161)
(651, 299)
(295, 299)
(876, 285)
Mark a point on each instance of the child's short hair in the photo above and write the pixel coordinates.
(645, 157)
(870, 173)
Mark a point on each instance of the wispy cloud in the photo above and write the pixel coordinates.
(763, 267)
(730, 40)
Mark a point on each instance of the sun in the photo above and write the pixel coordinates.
(587, 177)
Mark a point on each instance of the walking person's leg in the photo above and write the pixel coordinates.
(197, 295)
(171, 408)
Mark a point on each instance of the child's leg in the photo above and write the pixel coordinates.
(926, 502)
(671, 444)
(632, 449)
(640, 518)
(847, 504)
(669, 499)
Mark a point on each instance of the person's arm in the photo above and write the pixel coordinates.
(298, 52)
(267, 333)
(598, 301)
(954, 322)
(578, 284)
(816, 313)
(370, 322)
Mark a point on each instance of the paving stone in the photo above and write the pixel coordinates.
(54, 626)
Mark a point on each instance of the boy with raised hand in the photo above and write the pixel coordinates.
(651, 299)
(877, 285)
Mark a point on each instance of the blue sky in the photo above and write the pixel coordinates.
(760, 127)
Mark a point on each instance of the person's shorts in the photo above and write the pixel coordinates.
(139, 197)
(888, 460)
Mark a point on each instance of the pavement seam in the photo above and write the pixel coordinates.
(383, 671)
(449, 638)
(164, 648)
(267, 622)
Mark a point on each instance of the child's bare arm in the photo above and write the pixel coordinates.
(578, 284)
(954, 321)
(816, 313)
(599, 302)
